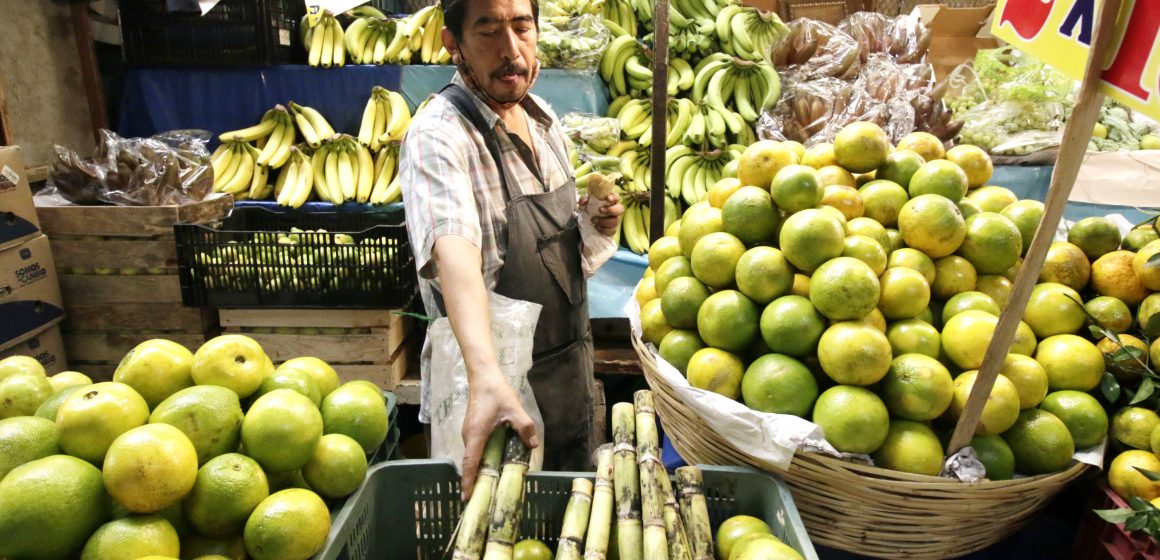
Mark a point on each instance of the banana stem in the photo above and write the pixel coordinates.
(575, 521)
(695, 512)
(600, 520)
(473, 527)
(507, 510)
(626, 483)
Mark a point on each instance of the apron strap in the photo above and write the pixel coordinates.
(461, 99)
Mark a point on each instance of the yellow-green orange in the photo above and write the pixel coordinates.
(133, 537)
(796, 187)
(763, 274)
(226, 491)
(1149, 275)
(1029, 377)
(966, 336)
(234, 361)
(853, 419)
(1040, 442)
(91, 419)
(939, 177)
(722, 190)
(924, 144)
(861, 147)
(1145, 313)
(1001, 409)
(1096, 236)
(728, 320)
(904, 293)
(761, 161)
(66, 379)
(854, 353)
(996, 456)
(992, 198)
(764, 548)
(844, 288)
(281, 429)
(48, 408)
(791, 325)
(22, 393)
(779, 384)
(674, 267)
(969, 207)
(357, 412)
(1054, 309)
(289, 525)
(917, 387)
(868, 251)
(150, 468)
(321, 371)
(733, 530)
(810, 238)
(681, 300)
(716, 370)
(974, 162)
(156, 368)
(913, 336)
(910, 447)
(966, 301)
(24, 439)
(900, 166)
(992, 243)
(1113, 275)
(1109, 313)
(662, 249)
(1123, 362)
(653, 323)
(1071, 362)
(715, 257)
(20, 364)
(646, 290)
(845, 200)
(336, 468)
(209, 415)
(882, 201)
(198, 547)
(836, 175)
(912, 259)
(1026, 215)
(953, 275)
(819, 155)
(997, 287)
(1139, 237)
(293, 379)
(697, 223)
(678, 346)
(1083, 415)
(1066, 264)
(1127, 481)
(749, 214)
(869, 228)
(932, 224)
(1133, 426)
(51, 505)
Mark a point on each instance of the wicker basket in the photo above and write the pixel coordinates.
(870, 510)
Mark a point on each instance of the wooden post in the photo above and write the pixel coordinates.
(660, 103)
(89, 71)
(1071, 153)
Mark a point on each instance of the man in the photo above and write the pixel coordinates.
(491, 205)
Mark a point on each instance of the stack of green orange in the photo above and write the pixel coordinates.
(182, 454)
(857, 284)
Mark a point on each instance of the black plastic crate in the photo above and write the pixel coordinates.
(254, 259)
(233, 33)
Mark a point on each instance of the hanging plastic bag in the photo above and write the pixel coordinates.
(513, 326)
(575, 43)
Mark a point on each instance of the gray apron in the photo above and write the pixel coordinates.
(542, 265)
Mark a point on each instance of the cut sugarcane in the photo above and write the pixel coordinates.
(652, 495)
(575, 521)
(626, 483)
(679, 548)
(600, 520)
(507, 508)
(695, 512)
(473, 524)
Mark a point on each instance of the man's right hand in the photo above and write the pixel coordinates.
(491, 403)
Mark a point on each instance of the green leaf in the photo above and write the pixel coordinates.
(1150, 475)
(1096, 330)
(1137, 503)
(1114, 515)
(1135, 523)
(1153, 260)
(1127, 354)
(1113, 336)
(1145, 390)
(1110, 387)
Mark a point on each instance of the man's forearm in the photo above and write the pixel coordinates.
(466, 303)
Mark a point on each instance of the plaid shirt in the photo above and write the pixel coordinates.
(452, 186)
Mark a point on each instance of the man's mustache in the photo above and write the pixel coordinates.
(511, 68)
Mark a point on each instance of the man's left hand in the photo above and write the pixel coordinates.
(609, 214)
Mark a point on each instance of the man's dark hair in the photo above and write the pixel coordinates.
(455, 11)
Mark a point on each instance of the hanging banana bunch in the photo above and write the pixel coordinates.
(752, 87)
(344, 171)
(295, 182)
(387, 188)
(626, 67)
(385, 119)
(376, 40)
(234, 164)
(748, 33)
(424, 42)
(619, 17)
(678, 116)
(311, 124)
(324, 41)
(635, 116)
(689, 173)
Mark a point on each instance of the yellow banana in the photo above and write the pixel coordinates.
(366, 168)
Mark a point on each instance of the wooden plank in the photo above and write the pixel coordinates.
(407, 389)
(96, 371)
(92, 252)
(373, 348)
(616, 359)
(111, 347)
(92, 288)
(5, 126)
(330, 318)
(87, 56)
(136, 317)
(387, 376)
(130, 221)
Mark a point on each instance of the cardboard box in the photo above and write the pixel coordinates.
(18, 222)
(46, 346)
(956, 35)
(30, 297)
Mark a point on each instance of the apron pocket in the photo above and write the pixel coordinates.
(561, 255)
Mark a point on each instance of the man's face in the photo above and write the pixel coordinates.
(499, 47)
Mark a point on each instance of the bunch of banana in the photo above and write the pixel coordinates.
(384, 120)
(637, 220)
(274, 134)
(680, 76)
(426, 42)
(619, 17)
(324, 41)
(234, 165)
(749, 33)
(626, 67)
(295, 182)
(678, 116)
(644, 13)
(313, 126)
(635, 115)
(387, 188)
(689, 173)
(690, 37)
(636, 169)
(376, 40)
(752, 86)
(343, 171)
(571, 8)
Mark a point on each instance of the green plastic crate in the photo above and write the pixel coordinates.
(409, 509)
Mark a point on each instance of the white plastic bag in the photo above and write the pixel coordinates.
(513, 326)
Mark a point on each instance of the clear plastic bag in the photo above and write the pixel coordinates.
(170, 169)
(815, 49)
(592, 134)
(570, 8)
(572, 43)
(905, 38)
(513, 325)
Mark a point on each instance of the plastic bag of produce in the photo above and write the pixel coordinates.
(513, 324)
(575, 43)
(167, 170)
(815, 49)
(593, 132)
(905, 38)
(570, 8)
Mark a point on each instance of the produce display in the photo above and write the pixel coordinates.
(1014, 105)
(374, 38)
(632, 510)
(329, 167)
(210, 452)
(857, 284)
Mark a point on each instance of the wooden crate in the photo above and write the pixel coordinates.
(105, 348)
(376, 345)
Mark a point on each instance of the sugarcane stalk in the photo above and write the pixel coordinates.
(473, 523)
(575, 524)
(695, 512)
(679, 548)
(507, 510)
(652, 495)
(626, 483)
(600, 520)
